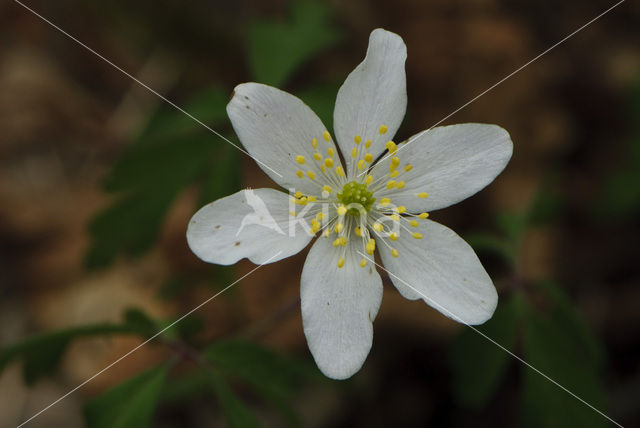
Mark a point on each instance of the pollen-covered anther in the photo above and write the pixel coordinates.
(367, 144)
(395, 217)
(311, 174)
(368, 158)
(357, 139)
(401, 209)
(394, 252)
(417, 235)
(423, 216)
(394, 174)
(300, 174)
(371, 246)
(298, 194)
(354, 153)
(391, 146)
(363, 262)
(423, 195)
(408, 167)
(393, 236)
(330, 152)
(341, 210)
(338, 228)
(314, 143)
(311, 198)
(317, 156)
(413, 223)
(391, 184)
(300, 159)
(368, 180)
(340, 171)
(400, 184)
(384, 202)
(315, 225)
(394, 164)
(326, 232)
(378, 227)
(341, 262)
(383, 129)
(357, 230)
(326, 136)
(328, 162)
(360, 164)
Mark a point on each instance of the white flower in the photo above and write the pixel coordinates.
(356, 207)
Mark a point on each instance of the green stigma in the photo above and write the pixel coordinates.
(355, 196)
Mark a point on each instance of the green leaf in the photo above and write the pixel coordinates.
(278, 49)
(41, 353)
(558, 351)
(321, 99)
(140, 322)
(479, 365)
(128, 405)
(153, 175)
(237, 414)
(222, 176)
(271, 375)
(487, 242)
(208, 106)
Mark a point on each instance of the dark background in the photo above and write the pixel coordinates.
(68, 119)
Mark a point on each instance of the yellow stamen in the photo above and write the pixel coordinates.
(393, 236)
(298, 194)
(330, 152)
(413, 223)
(391, 184)
(339, 171)
(423, 195)
(400, 184)
(326, 232)
(402, 209)
(422, 216)
(354, 153)
(417, 235)
(328, 162)
(312, 199)
(360, 164)
(383, 129)
(394, 174)
(391, 146)
(367, 144)
(368, 180)
(395, 217)
(327, 189)
(341, 262)
(378, 227)
(314, 143)
(357, 139)
(315, 225)
(300, 159)
(338, 228)
(326, 136)
(371, 246)
(368, 158)
(358, 231)
(384, 202)
(311, 174)
(394, 252)
(320, 216)
(336, 242)
(363, 262)
(317, 156)
(394, 164)
(408, 167)
(300, 174)
(341, 210)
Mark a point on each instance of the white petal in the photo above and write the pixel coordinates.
(374, 94)
(338, 307)
(441, 269)
(450, 163)
(250, 223)
(275, 127)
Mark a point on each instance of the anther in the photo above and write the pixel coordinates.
(401, 209)
(391, 146)
(360, 164)
(393, 236)
(314, 143)
(339, 171)
(391, 184)
(300, 159)
(338, 228)
(413, 223)
(357, 139)
(367, 144)
(354, 153)
(341, 210)
(326, 136)
(300, 174)
(317, 156)
(368, 158)
(394, 252)
(328, 162)
(363, 262)
(417, 235)
(311, 174)
(408, 167)
(330, 152)
(341, 262)
(378, 227)
(400, 184)
(383, 129)
(423, 195)
(422, 216)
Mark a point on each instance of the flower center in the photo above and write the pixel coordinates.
(356, 197)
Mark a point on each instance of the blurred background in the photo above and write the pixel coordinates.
(99, 177)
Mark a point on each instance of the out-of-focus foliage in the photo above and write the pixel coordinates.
(171, 152)
(130, 404)
(539, 322)
(277, 49)
(479, 365)
(620, 198)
